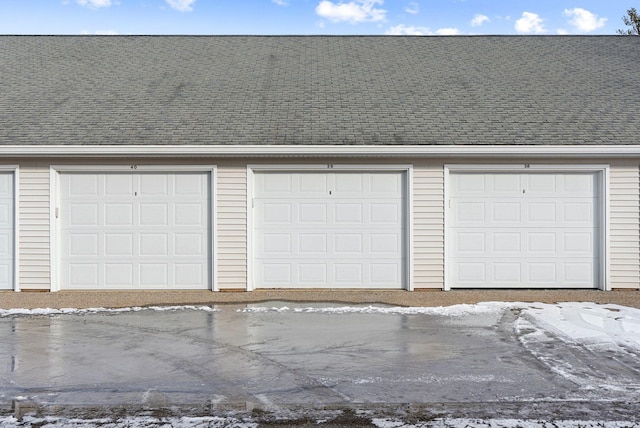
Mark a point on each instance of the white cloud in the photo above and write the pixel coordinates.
(94, 3)
(447, 32)
(354, 11)
(181, 5)
(584, 20)
(530, 23)
(413, 8)
(408, 30)
(280, 2)
(562, 32)
(412, 30)
(479, 19)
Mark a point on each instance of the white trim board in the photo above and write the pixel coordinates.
(15, 169)
(603, 171)
(259, 150)
(54, 175)
(408, 238)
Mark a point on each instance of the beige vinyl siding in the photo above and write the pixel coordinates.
(428, 225)
(232, 227)
(33, 241)
(231, 211)
(624, 225)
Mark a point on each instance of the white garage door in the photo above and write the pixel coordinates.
(134, 230)
(534, 230)
(329, 230)
(6, 230)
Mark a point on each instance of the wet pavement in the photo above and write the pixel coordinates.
(258, 359)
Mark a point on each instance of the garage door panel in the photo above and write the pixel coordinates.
(274, 184)
(507, 272)
(311, 213)
(525, 242)
(81, 275)
(310, 184)
(118, 185)
(277, 243)
(6, 185)
(6, 245)
(187, 214)
(544, 235)
(541, 212)
(468, 212)
(579, 185)
(118, 214)
(350, 184)
(118, 244)
(154, 185)
(385, 213)
(312, 273)
(580, 272)
(579, 243)
(191, 185)
(547, 273)
(275, 273)
(6, 214)
(131, 230)
(153, 274)
(535, 212)
(190, 275)
(348, 244)
(333, 238)
(273, 213)
(349, 213)
(81, 214)
(154, 244)
(385, 185)
(382, 274)
(310, 244)
(153, 214)
(82, 244)
(81, 186)
(118, 275)
(349, 273)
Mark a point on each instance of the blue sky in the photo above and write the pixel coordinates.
(426, 17)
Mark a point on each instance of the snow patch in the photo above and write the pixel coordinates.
(65, 311)
(588, 323)
(449, 311)
(578, 322)
(593, 324)
(231, 422)
(501, 423)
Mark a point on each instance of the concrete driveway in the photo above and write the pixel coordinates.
(299, 359)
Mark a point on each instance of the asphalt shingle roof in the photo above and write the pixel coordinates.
(319, 90)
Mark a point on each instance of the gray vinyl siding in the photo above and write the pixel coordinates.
(428, 225)
(231, 236)
(624, 228)
(34, 234)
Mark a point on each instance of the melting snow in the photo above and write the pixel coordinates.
(573, 322)
(588, 323)
(230, 422)
(450, 311)
(62, 311)
(582, 322)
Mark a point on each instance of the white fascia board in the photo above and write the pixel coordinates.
(497, 151)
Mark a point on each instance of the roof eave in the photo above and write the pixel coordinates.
(277, 150)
